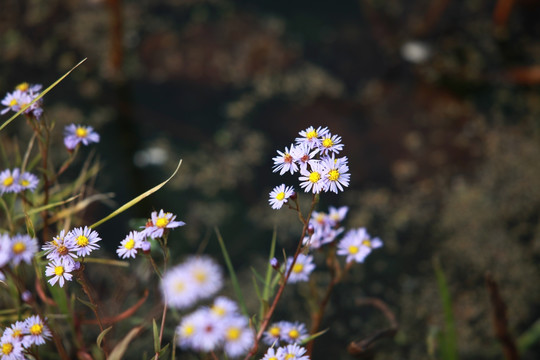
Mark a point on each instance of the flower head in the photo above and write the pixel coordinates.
(301, 269)
(60, 270)
(285, 161)
(61, 248)
(206, 274)
(23, 248)
(10, 348)
(75, 134)
(129, 246)
(311, 136)
(179, 288)
(238, 337)
(5, 249)
(294, 333)
(336, 174)
(85, 239)
(313, 178)
(9, 181)
(159, 222)
(38, 331)
(223, 307)
(280, 195)
(28, 181)
(294, 352)
(357, 245)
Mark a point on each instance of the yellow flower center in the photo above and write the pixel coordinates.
(8, 181)
(81, 132)
(314, 177)
(333, 175)
(162, 222)
(312, 134)
(19, 247)
(280, 196)
(273, 358)
(218, 310)
(290, 356)
(22, 86)
(36, 329)
(274, 331)
(353, 249)
(179, 286)
(59, 270)
(24, 182)
(130, 244)
(188, 330)
(200, 276)
(17, 333)
(288, 158)
(62, 250)
(233, 333)
(82, 240)
(294, 334)
(327, 142)
(366, 242)
(7, 348)
(13, 102)
(297, 268)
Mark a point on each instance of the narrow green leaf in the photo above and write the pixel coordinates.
(136, 200)
(156, 335)
(268, 280)
(232, 273)
(119, 350)
(40, 95)
(102, 335)
(449, 344)
(89, 304)
(164, 350)
(46, 207)
(313, 337)
(529, 337)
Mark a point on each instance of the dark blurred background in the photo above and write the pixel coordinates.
(438, 104)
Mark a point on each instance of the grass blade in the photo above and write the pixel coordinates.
(449, 344)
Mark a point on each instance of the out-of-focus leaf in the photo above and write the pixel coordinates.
(448, 339)
(156, 335)
(40, 95)
(529, 337)
(136, 200)
(110, 262)
(120, 349)
(102, 335)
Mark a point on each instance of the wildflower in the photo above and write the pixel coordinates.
(28, 181)
(159, 223)
(311, 136)
(178, 288)
(129, 246)
(285, 162)
(85, 240)
(336, 216)
(23, 248)
(273, 335)
(294, 352)
(238, 336)
(5, 249)
(336, 174)
(187, 329)
(209, 334)
(16, 331)
(61, 248)
(11, 349)
(60, 270)
(75, 134)
(223, 307)
(28, 88)
(9, 181)
(302, 154)
(206, 274)
(280, 196)
(356, 245)
(301, 269)
(294, 333)
(330, 144)
(272, 354)
(37, 330)
(14, 101)
(313, 180)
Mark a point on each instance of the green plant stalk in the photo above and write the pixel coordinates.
(449, 345)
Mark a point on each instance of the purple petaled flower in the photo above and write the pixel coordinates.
(85, 240)
(9, 181)
(60, 270)
(75, 134)
(159, 222)
(129, 246)
(357, 245)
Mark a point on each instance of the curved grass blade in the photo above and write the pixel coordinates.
(40, 95)
(119, 350)
(102, 335)
(136, 200)
(46, 207)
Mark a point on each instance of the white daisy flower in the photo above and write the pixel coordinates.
(28, 181)
(280, 195)
(294, 333)
(179, 288)
(158, 223)
(130, 245)
(23, 248)
(16, 331)
(337, 215)
(357, 245)
(285, 161)
(29, 88)
(209, 333)
(311, 136)
(75, 134)
(60, 270)
(294, 352)
(301, 269)
(5, 249)
(239, 338)
(11, 349)
(272, 354)
(330, 144)
(37, 331)
(187, 330)
(9, 181)
(336, 174)
(313, 180)
(273, 335)
(223, 307)
(15, 101)
(206, 275)
(61, 248)
(302, 154)
(86, 240)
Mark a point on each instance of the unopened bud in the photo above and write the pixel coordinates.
(26, 296)
(146, 246)
(293, 196)
(275, 263)
(310, 229)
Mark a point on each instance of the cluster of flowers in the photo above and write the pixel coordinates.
(314, 156)
(16, 249)
(13, 181)
(214, 328)
(287, 352)
(22, 335)
(64, 250)
(285, 332)
(23, 95)
(155, 228)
